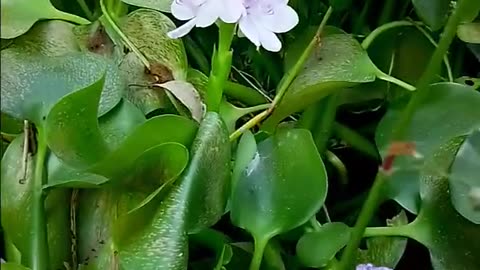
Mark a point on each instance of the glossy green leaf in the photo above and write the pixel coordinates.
(19, 15)
(339, 62)
(432, 117)
(160, 5)
(433, 12)
(115, 126)
(385, 250)
(246, 151)
(464, 178)
(155, 131)
(147, 29)
(316, 249)
(196, 201)
(72, 129)
(451, 239)
(31, 85)
(16, 197)
(469, 32)
(282, 187)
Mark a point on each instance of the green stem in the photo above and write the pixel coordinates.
(258, 254)
(85, 9)
(125, 39)
(404, 231)
(401, 128)
(339, 166)
(39, 240)
(368, 209)
(433, 67)
(293, 72)
(197, 54)
(328, 107)
(386, 15)
(253, 109)
(356, 140)
(385, 77)
(286, 80)
(243, 93)
(221, 66)
(60, 15)
(379, 30)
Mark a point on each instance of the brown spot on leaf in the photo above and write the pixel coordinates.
(159, 73)
(99, 42)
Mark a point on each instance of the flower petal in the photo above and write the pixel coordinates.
(249, 29)
(270, 41)
(183, 10)
(232, 10)
(282, 20)
(208, 13)
(182, 30)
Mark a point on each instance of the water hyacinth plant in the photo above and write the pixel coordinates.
(240, 134)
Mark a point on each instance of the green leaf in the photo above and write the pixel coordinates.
(246, 151)
(155, 131)
(16, 197)
(196, 201)
(431, 117)
(147, 29)
(464, 178)
(339, 62)
(451, 239)
(433, 12)
(282, 187)
(49, 38)
(403, 52)
(19, 15)
(472, 12)
(469, 32)
(72, 129)
(32, 84)
(385, 250)
(160, 5)
(316, 249)
(13, 266)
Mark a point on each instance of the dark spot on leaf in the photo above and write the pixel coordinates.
(469, 82)
(99, 42)
(101, 242)
(93, 250)
(159, 73)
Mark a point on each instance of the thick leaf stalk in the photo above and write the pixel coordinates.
(401, 130)
(221, 66)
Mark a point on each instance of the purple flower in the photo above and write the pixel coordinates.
(370, 266)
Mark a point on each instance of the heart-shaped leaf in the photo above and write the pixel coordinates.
(196, 201)
(338, 62)
(385, 250)
(461, 118)
(32, 84)
(19, 15)
(432, 12)
(283, 186)
(469, 32)
(464, 178)
(316, 249)
(160, 5)
(451, 239)
(17, 216)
